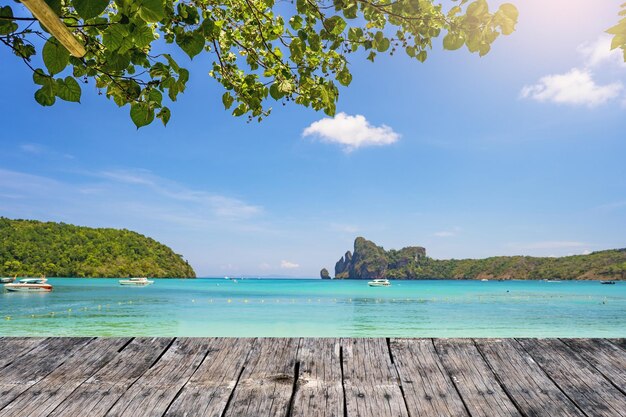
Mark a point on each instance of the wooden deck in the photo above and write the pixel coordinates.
(312, 377)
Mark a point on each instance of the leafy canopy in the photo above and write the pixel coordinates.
(257, 49)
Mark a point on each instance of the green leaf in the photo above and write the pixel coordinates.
(141, 114)
(240, 110)
(39, 77)
(142, 36)
(344, 77)
(191, 42)
(88, 9)
(275, 92)
(68, 89)
(56, 6)
(227, 99)
(154, 98)
(164, 115)
(45, 95)
(335, 25)
(453, 41)
(55, 56)
(7, 26)
(618, 41)
(114, 37)
(383, 45)
(151, 10)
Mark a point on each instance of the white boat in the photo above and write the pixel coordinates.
(484, 280)
(138, 282)
(379, 283)
(5, 280)
(29, 285)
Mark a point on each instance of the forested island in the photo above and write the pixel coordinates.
(371, 261)
(33, 248)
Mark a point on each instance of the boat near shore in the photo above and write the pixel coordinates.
(136, 282)
(6, 280)
(379, 283)
(29, 285)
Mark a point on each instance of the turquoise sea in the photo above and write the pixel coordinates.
(314, 307)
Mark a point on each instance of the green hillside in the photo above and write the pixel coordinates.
(371, 261)
(29, 247)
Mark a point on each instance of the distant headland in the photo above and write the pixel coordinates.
(30, 247)
(369, 261)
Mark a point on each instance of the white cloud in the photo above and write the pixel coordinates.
(444, 233)
(219, 205)
(351, 132)
(289, 265)
(40, 150)
(32, 148)
(576, 87)
(599, 52)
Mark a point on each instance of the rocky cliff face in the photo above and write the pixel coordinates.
(370, 261)
(324, 274)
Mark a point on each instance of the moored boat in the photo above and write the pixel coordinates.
(29, 285)
(5, 280)
(607, 282)
(139, 282)
(379, 283)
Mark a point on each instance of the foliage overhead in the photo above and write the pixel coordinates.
(29, 247)
(619, 32)
(257, 49)
(372, 261)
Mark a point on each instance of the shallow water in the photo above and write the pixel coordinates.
(313, 307)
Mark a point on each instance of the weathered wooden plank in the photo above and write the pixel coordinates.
(524, 381)
(96, 396)
(607, 358)
(47, 17)
(34, 365)
(14, 347)
(319, 391)
(371, 382)
(475, 382)
(584, 385)
(619, 342)
(427, 387)
(266, 384)
(155, 390)
(207, 392)
(44, 396)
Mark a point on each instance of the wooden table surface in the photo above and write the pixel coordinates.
(238, 377)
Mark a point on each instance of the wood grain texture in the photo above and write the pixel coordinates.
(603, 355)
(319, 391)
(266, 384)
(154, 391)
(524, 381)
(427, 387)
(371, 382)
(473, 379)
(29, 368)
(55, 26)
(12, 348)
(582, 383)
(241, 377)
(44, 396)
(98, 394)
(210, 387)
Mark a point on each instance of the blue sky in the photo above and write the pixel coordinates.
(518, 152)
